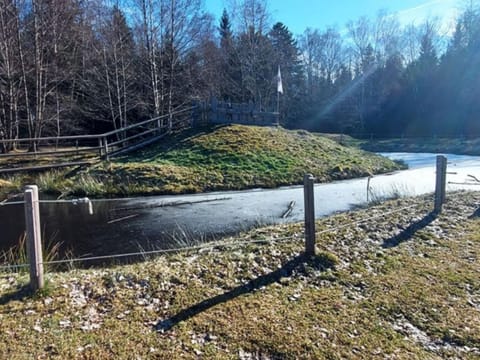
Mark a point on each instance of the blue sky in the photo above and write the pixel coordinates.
(300, 14)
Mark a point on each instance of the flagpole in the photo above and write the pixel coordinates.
(279, 90)
(278, 103)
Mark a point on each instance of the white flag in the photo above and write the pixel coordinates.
(279, 81)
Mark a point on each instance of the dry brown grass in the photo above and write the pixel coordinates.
(380, 289)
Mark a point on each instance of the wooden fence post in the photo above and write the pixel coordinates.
(440, 183)
(34, 240)
(309, 205)
(105, 146)
(100, 146)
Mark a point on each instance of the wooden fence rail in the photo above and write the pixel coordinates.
(95, 146)
(220, 112)
(73, 149)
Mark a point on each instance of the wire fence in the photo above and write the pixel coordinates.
(439, 198)
(212, 245)
(364, 220)
(207, 246)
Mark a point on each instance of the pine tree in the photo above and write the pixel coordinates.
(230, 74)
(286, 56)
(225, 30)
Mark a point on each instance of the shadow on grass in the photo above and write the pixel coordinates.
(408, 233)
(19, 294)
(320, 262)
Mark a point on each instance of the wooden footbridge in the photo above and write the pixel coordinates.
(34, 154)
(42, 153)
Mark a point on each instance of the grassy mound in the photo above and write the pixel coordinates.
(220, 158)
(234, 157)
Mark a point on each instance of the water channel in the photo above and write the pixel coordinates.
(125, 225)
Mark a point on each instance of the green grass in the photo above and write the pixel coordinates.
(356, 299)
(218, 158)
(457, 146)
(235, 157)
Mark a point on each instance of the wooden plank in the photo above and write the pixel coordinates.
(40, 153)
(104, 148)
(133, 126)
(44, 167)
(137, 146)
(149, 131)
(52, 138)
(289, 210)
(86, 137)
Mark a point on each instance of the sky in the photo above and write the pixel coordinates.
(297, 15)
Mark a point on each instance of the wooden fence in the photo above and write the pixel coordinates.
(62, 151)
(218, 112)
(82, 149)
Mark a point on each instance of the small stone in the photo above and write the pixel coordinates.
(209, 337)
(47, 301)
(65, 323)
(37, 328)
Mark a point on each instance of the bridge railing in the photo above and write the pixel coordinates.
(102, 145)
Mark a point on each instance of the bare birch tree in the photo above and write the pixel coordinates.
(151, 26)
(114, 74)
(10, 73)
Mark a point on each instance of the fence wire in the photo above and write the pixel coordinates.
(156, 252)
(209, 245)
(70, 201)
(82, 200)
(13, 267)
(365, 220)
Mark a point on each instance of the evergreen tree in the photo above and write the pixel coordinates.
(383, 122)
(230, 74)
(225, 30)
(342, 103)
(258, 72)
(457, 98)
(286, 56)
